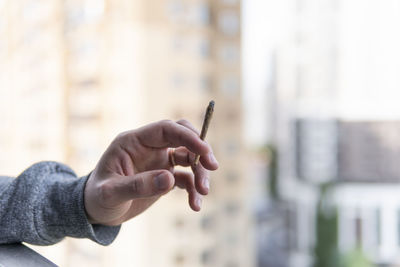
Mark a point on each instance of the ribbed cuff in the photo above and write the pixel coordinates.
(61, 210)
(101, 234)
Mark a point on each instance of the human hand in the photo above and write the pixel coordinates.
(136, 170)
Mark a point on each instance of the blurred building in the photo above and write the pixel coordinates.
(75, 73)
(338, 123)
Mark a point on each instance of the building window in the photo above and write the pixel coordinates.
(229, 2)
(378, 226)
(230, 85)
(175, 10)
(88, 83)
(207, 257)
(232, 177)
(208, 222)
(203, 48)
(232, 116)
(228, 23)
(229, 54)
(88, 12)
(178, 80)
(74, 18)
(206, 83)
(179, 259)
(179, 223)
(201, 14)
(398, 227)
(231, 148)
(231, 239)
(178, 44)
(232, 208)
(37, 144)
(84, 48)
(358, 224)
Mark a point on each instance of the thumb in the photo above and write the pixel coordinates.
(141, 185)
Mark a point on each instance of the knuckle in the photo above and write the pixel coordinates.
(183, 121)
(106, 191)
(121, 135)
(190, 158)
(138, 186)
(166, 126)
(166, 122)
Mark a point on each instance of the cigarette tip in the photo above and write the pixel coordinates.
(212, 103)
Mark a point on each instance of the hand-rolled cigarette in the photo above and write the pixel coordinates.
(206, 123)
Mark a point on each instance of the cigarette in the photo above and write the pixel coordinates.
(206, 123)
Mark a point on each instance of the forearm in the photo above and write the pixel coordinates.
(45, 204)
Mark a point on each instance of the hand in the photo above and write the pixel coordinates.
(136, 170)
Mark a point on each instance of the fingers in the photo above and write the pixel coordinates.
(149, 184)
(186, 180)
(143, 185)
(188, 125)
(202, 179)
(167, 133)
(209, 161)
(185, 158)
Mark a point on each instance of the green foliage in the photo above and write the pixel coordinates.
(326, 249)
(273, 171)
(356, 258)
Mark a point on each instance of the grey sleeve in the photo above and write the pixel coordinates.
(44, 204)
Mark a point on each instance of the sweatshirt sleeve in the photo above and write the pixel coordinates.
(44, 204)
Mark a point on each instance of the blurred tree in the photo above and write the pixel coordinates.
(326, 248)
(272, 155)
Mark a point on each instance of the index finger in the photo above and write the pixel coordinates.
(167, 133)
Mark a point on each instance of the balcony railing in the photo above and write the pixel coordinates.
(19, 255)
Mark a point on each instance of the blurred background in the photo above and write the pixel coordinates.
(306, 128)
